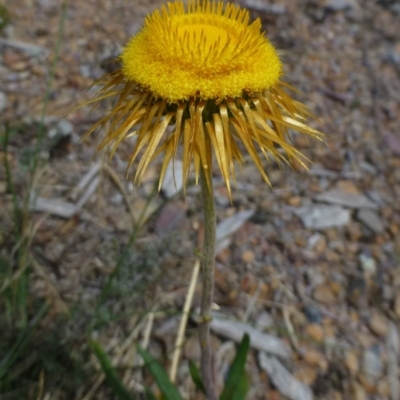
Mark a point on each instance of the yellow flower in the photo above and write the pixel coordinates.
(204, 77)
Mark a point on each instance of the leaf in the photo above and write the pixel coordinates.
(167, 388)
(196, 378)
(236, 372)
(241, 389)
(111, 374)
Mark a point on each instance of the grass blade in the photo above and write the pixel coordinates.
(168, 389)
(8, 360)
(236, 372)
(196, 377)
(111, 374)
(241, 388)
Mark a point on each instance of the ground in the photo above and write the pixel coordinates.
(313, 261)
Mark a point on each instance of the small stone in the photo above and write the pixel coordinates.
(248, 256)
(3, 101)
(294, 201)
(357, 292)
(347, 186)
(351, 362)
(397, 305)
(317, 242)
(315, 358)
(313, 314)
(307, 375)
(371, 220)
(262, 6)
(64, 128)
(316, 332)
(354, 231)
(315, 216)
(351, 200)
(365, 339)
(264, 321)
(336, 287)
(324, 294)
(383, 388)
(368, 264)
(378, 324)
(358, 392)
(372, 365)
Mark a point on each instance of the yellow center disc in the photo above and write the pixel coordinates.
(209, 51)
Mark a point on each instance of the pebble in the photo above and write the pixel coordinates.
(317, 242)
(262, 6)
(248, 256)
(358, 391)
(383, 388)
(372, 366)
(3, 101)
(354, 231)
(351, 362)
(396, 305)
(368, 264)
(316, 332)
(341, 198)
(294, 201)
(315, 358)
(64, 128)
(357, 292)
(339, 5)
(371, 220)
(315, 216)
(264, 321)
(230, 225)
(307, 375)
(324, 294)
(313, 314)
(378, 324)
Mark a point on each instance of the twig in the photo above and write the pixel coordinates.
(88, 194)
(289, 327)
(182, 325)
(147, 332)
(93, 171)
(41, 385)
(252, 303)
(121, 187)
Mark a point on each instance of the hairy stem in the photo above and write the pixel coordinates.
(207, 360)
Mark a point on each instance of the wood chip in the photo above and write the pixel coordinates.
(283, 380)
(235, 330)
(57, 207)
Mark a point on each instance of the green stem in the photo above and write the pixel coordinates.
(207, 361)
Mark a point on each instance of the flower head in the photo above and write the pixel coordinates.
(204, 77)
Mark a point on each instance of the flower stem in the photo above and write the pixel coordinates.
(207, 360)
